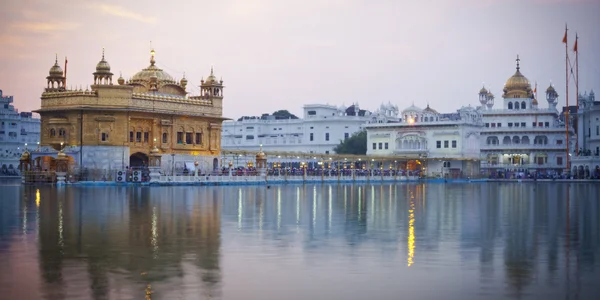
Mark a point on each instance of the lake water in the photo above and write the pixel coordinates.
(399, 241)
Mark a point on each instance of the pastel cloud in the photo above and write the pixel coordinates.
(122, 12)
(44, 27)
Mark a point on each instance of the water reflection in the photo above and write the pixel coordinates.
(319, 241)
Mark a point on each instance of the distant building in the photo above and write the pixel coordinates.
(441, 144)
(520, 137)
(585, 161)
(321, 128)
(112, 126)
(17, 132)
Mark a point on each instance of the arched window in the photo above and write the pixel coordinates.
(523, 105)
(62, 132)
(165, 137)
(506, 140)
(52, 132)
(510, 106)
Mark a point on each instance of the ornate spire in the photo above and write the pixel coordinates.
(152, 61)
(102, 53)
(518, 60)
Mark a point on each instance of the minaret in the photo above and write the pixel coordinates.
(55, 78)
(551, 97)
(211, 88)
(483, 95)
(102, 76)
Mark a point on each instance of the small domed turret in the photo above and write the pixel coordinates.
(121, 80)
(103, 74)
(183, 82)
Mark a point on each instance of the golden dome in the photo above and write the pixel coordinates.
(25, 156)
(483, 91)
(517, 86)
(121, 80)
(155, 150)
(260, 154)
(56, 70)
(103, 66)
(535, 102)
(152, 71)
(550, 89)
(430, 110)
(211, 79)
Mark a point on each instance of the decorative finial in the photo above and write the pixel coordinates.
(211, 70)
(518, 60)
(102, 53)
(152, 61)
(184, 74)
(120, 74)
(56, 58)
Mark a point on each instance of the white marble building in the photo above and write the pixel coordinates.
(17, 131)
(441, 144)
(586, 161)
(321, 128)
(519, 136)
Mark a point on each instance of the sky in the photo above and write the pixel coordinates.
(274, 54)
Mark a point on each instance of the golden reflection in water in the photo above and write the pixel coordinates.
(411, 232)
(154, 239)
(60, 224)
(37, 198)
(24, 226)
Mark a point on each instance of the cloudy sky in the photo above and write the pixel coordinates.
(282, 54)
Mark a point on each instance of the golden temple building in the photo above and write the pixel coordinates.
(114, 126)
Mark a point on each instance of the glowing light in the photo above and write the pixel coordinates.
(411, 233)
(37, 198)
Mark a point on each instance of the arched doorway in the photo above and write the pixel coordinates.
(215, 163)
(138, 159)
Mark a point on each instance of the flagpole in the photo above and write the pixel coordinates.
(577, 85)
(65, 80)
(565, 40)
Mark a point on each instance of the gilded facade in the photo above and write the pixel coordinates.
(113, 126)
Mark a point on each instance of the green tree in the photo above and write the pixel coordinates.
(284, 114)
(356, 144)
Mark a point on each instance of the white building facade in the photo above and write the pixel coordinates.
(440, 145)
(17, 131)
(585, 162)
(319, 131)
(519, 138)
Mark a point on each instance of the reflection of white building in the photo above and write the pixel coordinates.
(588, 127)
(520, 136)
(16, 130)
(450, 142)
(319, 131)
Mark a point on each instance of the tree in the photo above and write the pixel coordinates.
(356, 144)
(284, 114)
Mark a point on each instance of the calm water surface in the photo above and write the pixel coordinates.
(404, 241)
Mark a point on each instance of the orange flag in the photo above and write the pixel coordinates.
(575, 47)
(565, 37)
